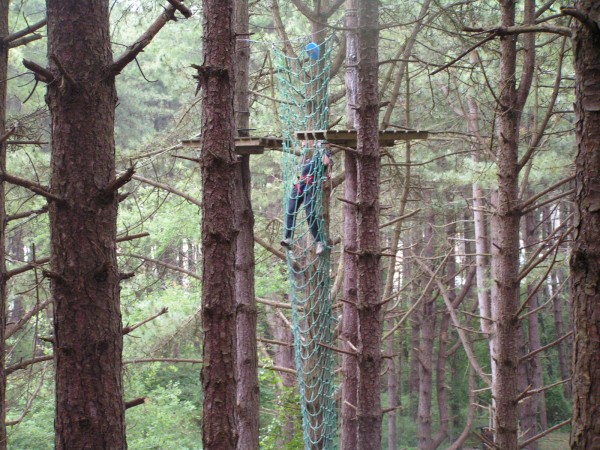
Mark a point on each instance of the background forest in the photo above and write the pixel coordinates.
(435, 197)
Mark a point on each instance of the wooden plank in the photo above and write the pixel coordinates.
(251, 145)
(348, 138)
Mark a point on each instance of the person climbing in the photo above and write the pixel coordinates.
(304, 191)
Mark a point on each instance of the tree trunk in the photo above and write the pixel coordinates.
(425, 354)
(246, 312)
(4, 31)
(349, 313)
(369, 277)
(585, 257)
(505, 227)
(88, 340)
(219, 235)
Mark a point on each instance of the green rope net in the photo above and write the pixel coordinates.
(303, 89)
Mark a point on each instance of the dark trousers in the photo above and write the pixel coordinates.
(302, 194)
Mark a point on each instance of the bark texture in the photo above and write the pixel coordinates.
(246, 312)
(369, 275)
(505, 228)
(88, 341)
(4, 8)
(585, 258)
(219, 233)
(349, 313)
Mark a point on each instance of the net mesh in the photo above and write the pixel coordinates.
(303, 89)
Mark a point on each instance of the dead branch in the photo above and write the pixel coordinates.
(163, 264)
(544, 433)
(463, 54)
(131, 237)
(27, 362)
(275, 342)
(398, 219)
(530, 201)
(273, 303)
(582, 17)
(29, 402)
(12, 328)
(545, 347)
(41, 74)
(129, 329)
(119, 182)
(26, 214)
(26, 40)
(31, 265)
(143, 41)
(179, 6)
(25, 31)
(8, 134)
(135, 402)
(170, 189)
(461, 334)
(163, 360)
(32, 186)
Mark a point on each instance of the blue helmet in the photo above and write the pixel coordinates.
(313, 50)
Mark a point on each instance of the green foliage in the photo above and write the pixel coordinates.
(166, 420)
(284, 429)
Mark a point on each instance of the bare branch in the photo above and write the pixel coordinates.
(129, 329)
(143, 41)
(533, 199)
(163, 264)
(119, 182)
(41, 74)
(165, 360)
(32, 186)
(170, 189)
(135, 402)
(179, 6)
(26, 40)
(26, 267)
(131, 237)
(26, 214)
(582, 17)
(25, 31)
(27, 362)
(544, 348)
(544, 433)
(12, 328)
(463, 54)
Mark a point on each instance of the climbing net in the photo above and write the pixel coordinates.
(303, 87)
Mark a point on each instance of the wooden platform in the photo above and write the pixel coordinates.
(244, 145)
(347, 138)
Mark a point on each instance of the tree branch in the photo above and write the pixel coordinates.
(24, 41)
(41, 74)
(119, 182)
(163, 264)
(143, 41)
(544, 348)
(582, 17)
(179, 6)
(131, 237)
(135, 402)
(27, 362)
(25, 31)
(129, 329)
(26, 214)
(170, 189)
(26, 267)
(32, 186)
(14, 327)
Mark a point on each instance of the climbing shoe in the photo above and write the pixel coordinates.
(320, 248)
(287, 243)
